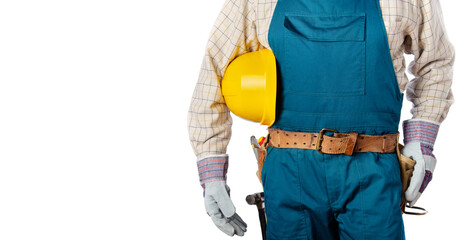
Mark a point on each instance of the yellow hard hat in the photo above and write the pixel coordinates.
(249, 86)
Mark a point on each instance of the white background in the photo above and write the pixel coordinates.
(93, 139)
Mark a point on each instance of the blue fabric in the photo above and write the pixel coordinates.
(334, 71)
(310, 195)
(333, 61)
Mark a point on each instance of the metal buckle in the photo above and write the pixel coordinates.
(320, 137)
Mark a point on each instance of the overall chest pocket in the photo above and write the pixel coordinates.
(325, 54)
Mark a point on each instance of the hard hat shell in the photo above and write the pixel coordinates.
(249, 86)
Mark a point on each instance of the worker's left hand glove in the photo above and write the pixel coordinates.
(419, 138)
(217, 201)
(220, 208)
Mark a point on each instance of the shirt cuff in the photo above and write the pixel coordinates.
(212, 168)
(420, 130)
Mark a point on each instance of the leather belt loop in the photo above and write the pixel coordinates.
(267, 140)
(352, 140)
(270, 137)
(278, 134)
(384, 142)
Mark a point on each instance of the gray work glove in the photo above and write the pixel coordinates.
(423, 170)
(220, 208)
(419, 138)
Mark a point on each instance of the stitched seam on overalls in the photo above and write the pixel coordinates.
(298, 159)
(360, 179)
(331, 211)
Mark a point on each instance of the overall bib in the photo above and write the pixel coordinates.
(334, 71)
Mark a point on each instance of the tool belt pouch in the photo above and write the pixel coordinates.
(407, 167)
(262, 154)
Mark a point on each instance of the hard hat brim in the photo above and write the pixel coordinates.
(270, 91)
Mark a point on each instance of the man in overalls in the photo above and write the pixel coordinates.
(340, 67)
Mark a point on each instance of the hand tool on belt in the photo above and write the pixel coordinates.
(258, 199)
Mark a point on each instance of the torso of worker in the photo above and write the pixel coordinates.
(334, 58)
(334, 67)
(334, 71)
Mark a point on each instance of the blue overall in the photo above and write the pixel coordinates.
(334, 71)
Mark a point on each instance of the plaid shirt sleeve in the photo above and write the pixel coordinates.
(430, 89)
(209, 120)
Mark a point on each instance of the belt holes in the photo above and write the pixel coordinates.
(295, 135)
(339, 149)
(304, 135)
(278, 145)
(287, 135)
(384, 137)
(359, 149)
(362, 137)
(330, 140)
(295, 143)
(287, 143)
(330, 148)
(304, 143)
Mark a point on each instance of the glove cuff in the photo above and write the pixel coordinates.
(423, 131)
(213, 168)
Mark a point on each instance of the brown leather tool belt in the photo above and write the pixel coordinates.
(339, 143)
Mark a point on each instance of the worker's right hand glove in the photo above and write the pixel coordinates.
(217, 201)
(419, 138)
(220, 208)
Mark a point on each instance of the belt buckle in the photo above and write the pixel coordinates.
(320, 138)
